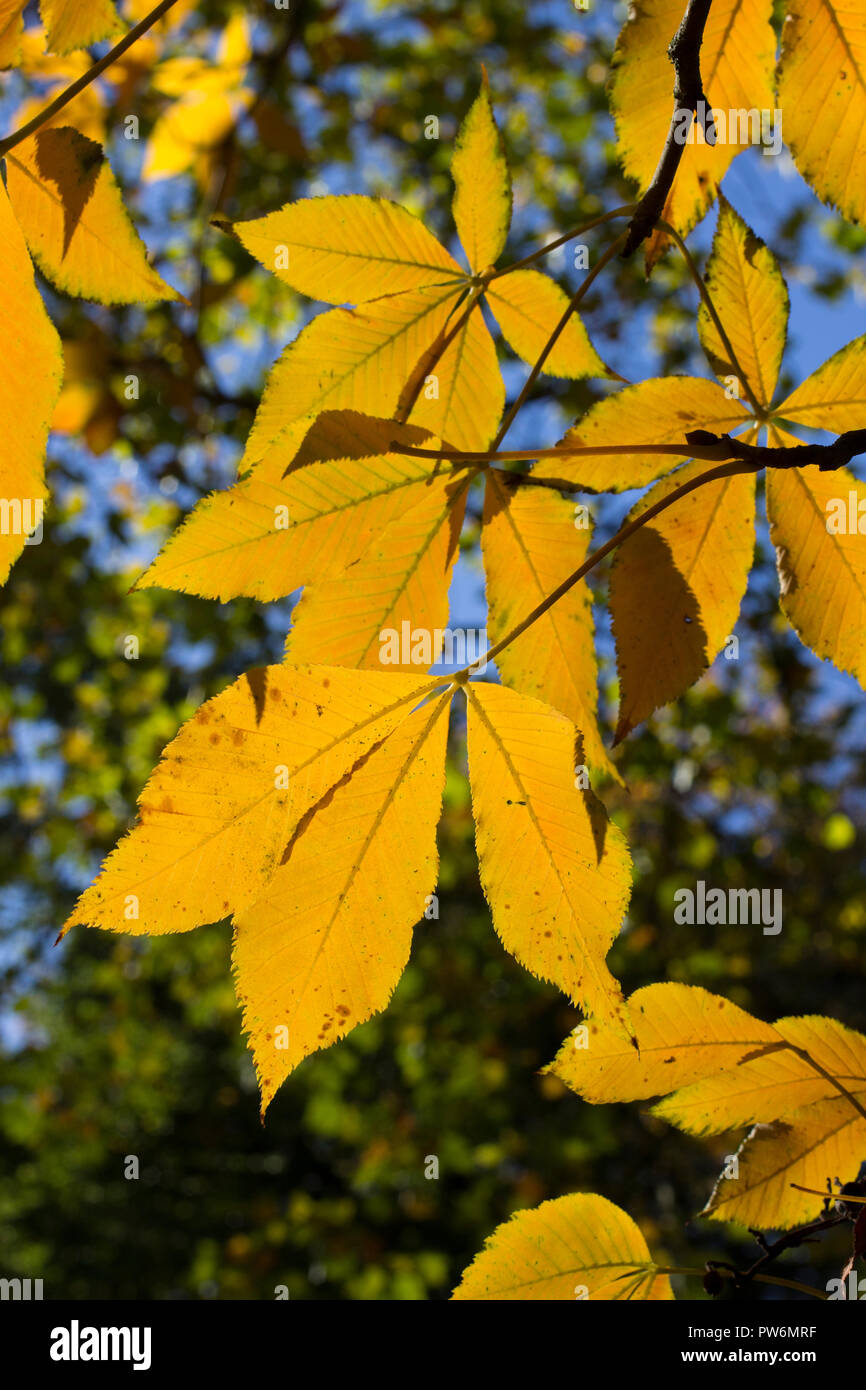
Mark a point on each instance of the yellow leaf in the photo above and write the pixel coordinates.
(658, 411)
(676, 587)
(307, 511)
(347, 249)
(527, 306)
(72, 215)
(189, 127)
(322, 949)
(683, 1034)
(579, 1246)
(358, 359)
(11, 31)
(463, 395)
(751, 299)
(809, 1147)
(29, 387)
(387, 608)
(771, 1084)
(482, 185)
(725, 1069)
(822, 89)
(737, 64)
(219, 809)
(74, 24)
(554, 870)
(531, 543)
(834, 396)
(822, 571)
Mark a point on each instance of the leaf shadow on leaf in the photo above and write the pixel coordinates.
(257, 680)
(76, 178)
(657, 660)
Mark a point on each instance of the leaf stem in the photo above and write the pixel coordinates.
(624, 211)
(84, 81)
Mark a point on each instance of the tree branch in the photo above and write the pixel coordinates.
(684, 52)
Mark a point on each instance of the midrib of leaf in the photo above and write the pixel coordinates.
(830, 1133)
(647, 1271)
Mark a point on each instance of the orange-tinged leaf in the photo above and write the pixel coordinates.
(822, 89)
(821, 558)
(684, 1034)
(737, 64)
(834, 396)
(219, 809)
(531, 543)
(358, 359)
(392, 603)
(482, 185)
(528, 306)
(463, 395)
(347, 249)
(658, 411)
(306, 512)
(578, 1246)
(676, 588)
(810, 1147)
(322, 949)
(554, 870)
(11, 31)
(71, 213)
(72, 24)
(751, 299)
(29, 387)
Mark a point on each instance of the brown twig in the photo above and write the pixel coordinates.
(684, 52)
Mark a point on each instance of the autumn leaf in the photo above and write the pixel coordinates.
(528, 305)
(821, 558)
(322, 949)
(822, 90)
(401, 580)
(309, 510)
(410, 297)
(27, 397)
(70, 210)
(555, 872)
(72, 24)
(676, 587)
(574, 1247)
(801, 1083)
(531, 542)
(737, 62)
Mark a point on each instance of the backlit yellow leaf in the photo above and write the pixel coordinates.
(29, 387)
(683, 1034)
(482, 185)
(737, 65)
(751, 299)
(309, 509)
(74, 24)
(528, 306)
(822, 89)
(676, 587)
(658, 411)
(821, 558)
(531, 542)
(322, 949)
(834, 396)
(72, 215)
(554, 870)
(347, 249)
(385, 610)
(219, 809)
(579, 1246)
